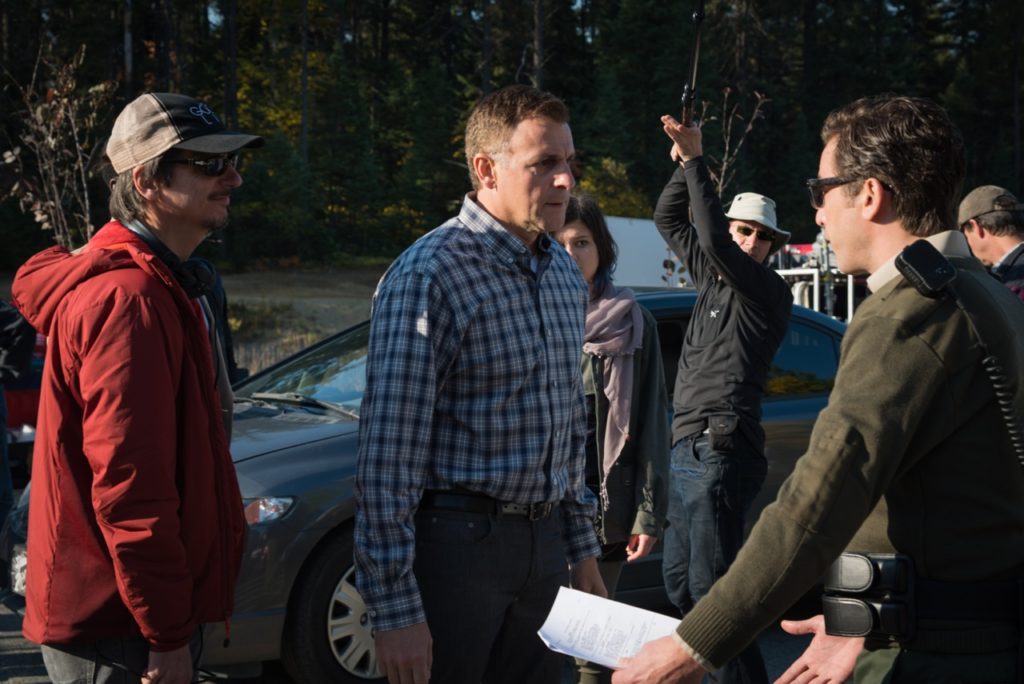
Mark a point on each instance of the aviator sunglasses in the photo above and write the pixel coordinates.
(747, 231)
(212, 166)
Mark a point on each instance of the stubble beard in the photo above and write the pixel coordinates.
(214, 226)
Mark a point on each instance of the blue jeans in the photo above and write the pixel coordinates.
(710, 492)
(488, 583)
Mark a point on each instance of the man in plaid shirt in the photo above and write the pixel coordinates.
(472, 508)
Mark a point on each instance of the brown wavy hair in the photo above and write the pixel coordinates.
(909, 144)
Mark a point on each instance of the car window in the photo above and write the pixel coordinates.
(805, 363)
(334, 371)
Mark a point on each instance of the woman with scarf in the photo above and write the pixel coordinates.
(627, 405)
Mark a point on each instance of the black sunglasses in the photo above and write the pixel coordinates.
(747, 231)
(212, 166)
(817, 187)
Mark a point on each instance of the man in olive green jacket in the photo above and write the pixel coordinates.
(912, 454)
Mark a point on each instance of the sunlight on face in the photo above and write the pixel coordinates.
(533, 178)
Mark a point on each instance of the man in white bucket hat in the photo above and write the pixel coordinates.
(741, 314)
(754, 227)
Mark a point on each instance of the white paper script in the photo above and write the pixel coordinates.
(593, 628)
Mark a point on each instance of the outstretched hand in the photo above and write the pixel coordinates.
(686, 140)
(827, 660)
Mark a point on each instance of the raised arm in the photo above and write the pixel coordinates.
(711, 226)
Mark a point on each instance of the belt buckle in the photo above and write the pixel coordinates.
(538, 511)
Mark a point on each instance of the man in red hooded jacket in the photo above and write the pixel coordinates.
(135, 524)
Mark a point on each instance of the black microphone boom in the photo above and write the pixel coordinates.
(690, 89)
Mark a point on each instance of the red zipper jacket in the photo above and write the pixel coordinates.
(135, 521)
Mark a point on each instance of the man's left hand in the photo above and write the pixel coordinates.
(662, 661)
(584, 576)
(639, 545)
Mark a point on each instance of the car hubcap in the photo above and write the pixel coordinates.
(348, 630)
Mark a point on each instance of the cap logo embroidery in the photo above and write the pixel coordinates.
(202, 111)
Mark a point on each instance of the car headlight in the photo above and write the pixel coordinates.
(266, 509)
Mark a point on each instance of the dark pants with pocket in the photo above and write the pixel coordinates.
(117, 660)
(488, 581)
(710, 492)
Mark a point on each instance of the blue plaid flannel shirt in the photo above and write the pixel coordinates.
(473, 380)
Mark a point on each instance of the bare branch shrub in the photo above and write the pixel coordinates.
(722, 168)
(50, 164)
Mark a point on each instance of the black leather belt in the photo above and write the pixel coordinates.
(448, 500)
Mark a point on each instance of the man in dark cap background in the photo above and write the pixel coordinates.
(135, 524)
(992, 220)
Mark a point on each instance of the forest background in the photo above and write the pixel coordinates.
(362, 102)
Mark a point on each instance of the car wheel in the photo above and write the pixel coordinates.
(327, 635)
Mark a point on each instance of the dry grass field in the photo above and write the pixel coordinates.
(275, 313)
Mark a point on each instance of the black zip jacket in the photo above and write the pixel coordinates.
(741, 314)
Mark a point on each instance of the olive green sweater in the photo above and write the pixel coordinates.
(910, 455)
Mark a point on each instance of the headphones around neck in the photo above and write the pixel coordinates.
(195, 276)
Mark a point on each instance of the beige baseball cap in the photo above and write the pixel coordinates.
(750, 206)
(153, 123)
(986, 199)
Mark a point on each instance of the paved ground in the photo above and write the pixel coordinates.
(328, 302)
(20, 662)
(19, 659)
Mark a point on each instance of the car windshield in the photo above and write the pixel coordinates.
(334, 372)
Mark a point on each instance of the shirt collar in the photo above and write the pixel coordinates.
(1009, 252)
(950, 243)
(504, 244)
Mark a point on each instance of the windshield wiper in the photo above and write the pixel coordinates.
(302, 400)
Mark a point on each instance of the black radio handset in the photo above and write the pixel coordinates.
(926, 268)
(932, 275)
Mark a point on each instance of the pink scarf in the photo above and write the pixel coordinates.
(614, 331)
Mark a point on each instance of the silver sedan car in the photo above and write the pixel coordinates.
(295, 442)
